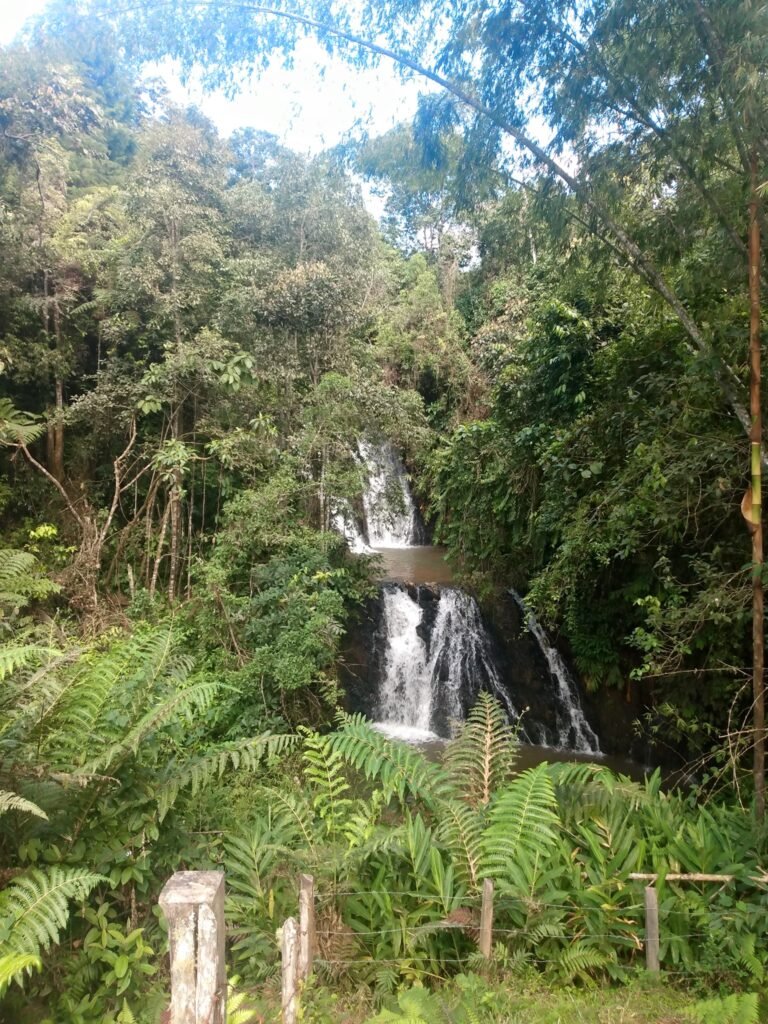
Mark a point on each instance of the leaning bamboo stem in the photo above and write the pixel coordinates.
(756, 438)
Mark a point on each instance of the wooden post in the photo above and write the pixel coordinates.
(290, 951)
(651, 928)
(193, 904)
(306, 925)
(486, 919)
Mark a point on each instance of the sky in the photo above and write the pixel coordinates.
(307, 109)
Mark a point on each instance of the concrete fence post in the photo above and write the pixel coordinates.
(651, 928)
(486, 919)
(306, 925)
(193, 904)
(290, 954)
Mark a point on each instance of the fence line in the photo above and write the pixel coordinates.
(193, 903)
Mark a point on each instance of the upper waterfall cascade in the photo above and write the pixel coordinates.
(390, 511)
(435, 651)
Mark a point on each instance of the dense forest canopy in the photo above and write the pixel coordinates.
(556, 323)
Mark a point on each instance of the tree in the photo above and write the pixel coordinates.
(684, 79)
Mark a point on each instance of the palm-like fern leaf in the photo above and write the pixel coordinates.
(34, 907)
(184, 703)
(13, 966)
(396, 768)
(480, 760)
(324, 770)
(14, 802)
(461, 829)
(522, 830)
(16, 656)
(240, 755)
(18, 427)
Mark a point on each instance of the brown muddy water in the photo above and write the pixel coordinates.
(422, 564)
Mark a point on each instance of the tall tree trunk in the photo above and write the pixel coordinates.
(756, 436)
(176, 521)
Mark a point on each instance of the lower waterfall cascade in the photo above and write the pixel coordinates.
(433, 652)
(431, 672)
(574, 731)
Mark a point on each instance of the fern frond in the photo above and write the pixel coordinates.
(238, 1011)
(522, 830)
(581, 961)
(396, 768)
(34, 907)
(240, 755)
(461, 829)
(16, 656)
(734, 1009)
(128, 671)
(324, 770)
(18, 427)
(14, 802)
(183, 704)
(13, 966)
(481, 759)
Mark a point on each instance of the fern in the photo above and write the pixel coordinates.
(34, 907)
(14, 802)
(461, 829)
(16, 656)
(396, 768)
(522, 830)
(18, 427)
(580, 960)
(13, 967)
(195, 698)
(241, 755)
(734, 1009)
(483, 756)
(323, 769)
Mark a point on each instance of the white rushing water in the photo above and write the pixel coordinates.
(574, 731)
(390, 512)
(435, 651)
(433, 666)
(344, 522)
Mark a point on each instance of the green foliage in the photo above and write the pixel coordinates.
(735, 1009)
(34, 907)
(21, 582)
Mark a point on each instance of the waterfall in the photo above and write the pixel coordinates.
(437, 656)
(573, 730)
(390, 513)
(343, 520)
(432, 651)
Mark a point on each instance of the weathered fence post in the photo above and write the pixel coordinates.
(193, 904)
(306, 925)
(651, 928)
(486, 919)
(290, 951)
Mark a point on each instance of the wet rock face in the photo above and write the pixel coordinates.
(610, 714)
(455, 651)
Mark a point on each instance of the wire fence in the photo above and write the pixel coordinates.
(323, 939)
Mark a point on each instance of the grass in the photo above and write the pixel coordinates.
(512, 999)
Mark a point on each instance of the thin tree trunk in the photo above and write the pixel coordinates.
(159, 551)
(57, 465)
(755, 437)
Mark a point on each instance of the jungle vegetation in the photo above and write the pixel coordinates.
(194, 334)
